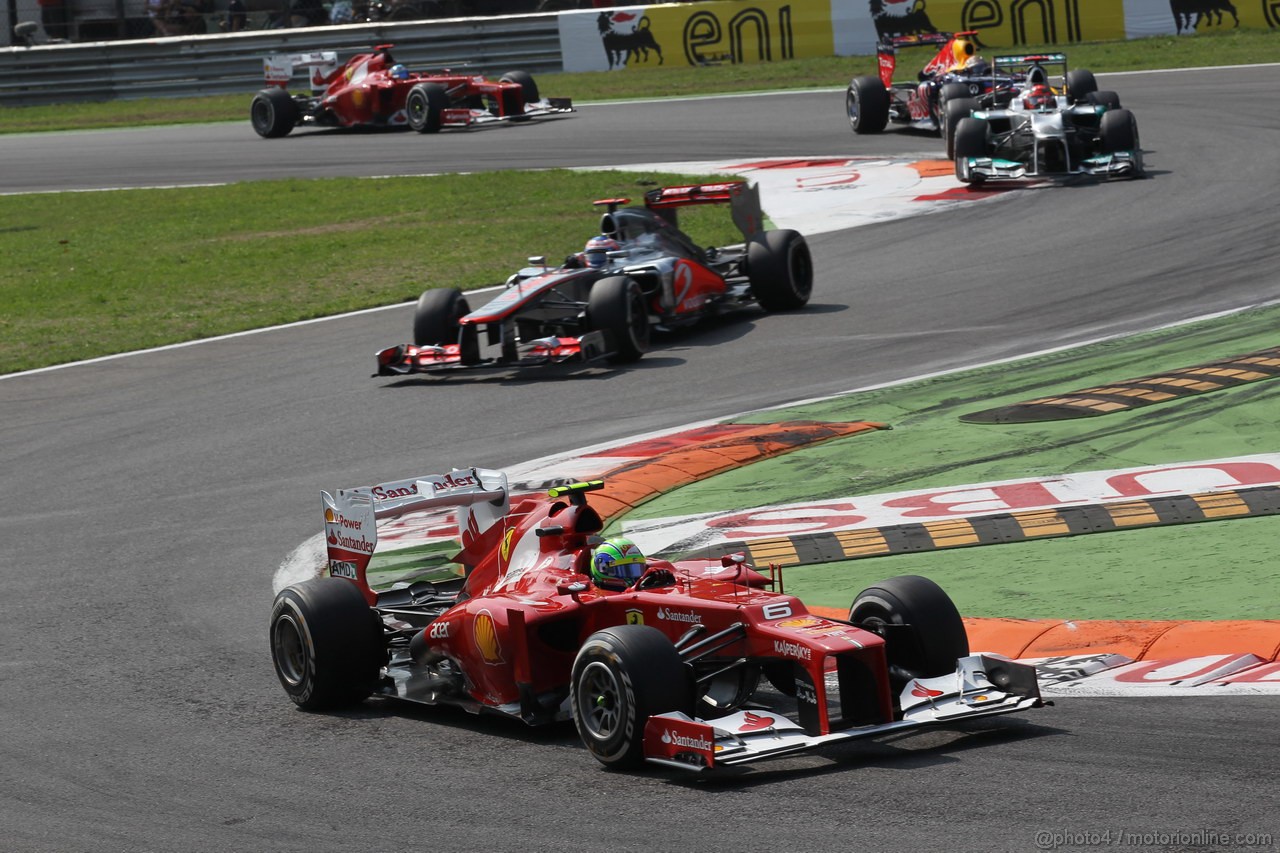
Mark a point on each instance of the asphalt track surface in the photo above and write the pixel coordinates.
(149, 499)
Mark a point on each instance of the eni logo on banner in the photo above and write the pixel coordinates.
(699, 34)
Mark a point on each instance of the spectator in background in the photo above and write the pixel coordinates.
(307, 13)
(237, 17)
(53, 17)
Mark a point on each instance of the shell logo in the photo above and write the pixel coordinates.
(800, 622)
(485, 632)
(329, 517)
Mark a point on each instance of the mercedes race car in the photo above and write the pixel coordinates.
(1047, 131)
(373, 90)
(646, 273)
(956, 81)
(697, 665)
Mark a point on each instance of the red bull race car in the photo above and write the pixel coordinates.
(373, 90)
(956, 81)
(697, 664)
(641, 272)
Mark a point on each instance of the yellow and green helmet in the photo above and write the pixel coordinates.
(617, 560)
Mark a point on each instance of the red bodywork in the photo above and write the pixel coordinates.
(528, 603)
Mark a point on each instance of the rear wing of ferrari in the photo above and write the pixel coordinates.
(279, 68)
(351, 515)
(743, 200)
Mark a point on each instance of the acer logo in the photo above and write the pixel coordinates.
(439, 631)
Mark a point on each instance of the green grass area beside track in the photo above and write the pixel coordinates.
(1223, 569)
(1233, 47)
(91, 274)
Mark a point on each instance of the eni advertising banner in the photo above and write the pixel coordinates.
(694, 34)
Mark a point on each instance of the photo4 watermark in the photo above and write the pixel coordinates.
(1065, 839)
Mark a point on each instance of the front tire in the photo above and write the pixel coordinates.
(616, 307)
(952, 112)
(326, 644)
(273, 113)
(1118, 131)
(935, 638)
(621, 677)
(425, 104)
(970, 141)
(530, 90)
(780, 268)
(867, 103)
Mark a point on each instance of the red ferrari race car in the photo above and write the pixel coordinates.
(698, 664)
(373, 90)
(641, 272)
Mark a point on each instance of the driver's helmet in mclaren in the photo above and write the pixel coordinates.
(617, 563)
(596, 252)
(399, 72)
(1039, 98)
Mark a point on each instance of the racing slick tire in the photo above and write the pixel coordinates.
(616, 307)
(326, 644)
(424, 104)
(970, 141)
(780, 269)
(934, 637)
(1104, 98)
(951, 91)
(1118, 131)
(1080, 82)
(867, 103)
(621, 677)
(530, 89)
(952, 111)
(273, 113)
(435, 322)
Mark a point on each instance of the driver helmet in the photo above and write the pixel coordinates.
(1039, 98)
(617, 562)
(596, 252)
(963, 51)
(399, 72)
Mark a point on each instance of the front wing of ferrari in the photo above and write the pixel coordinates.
(981, 686)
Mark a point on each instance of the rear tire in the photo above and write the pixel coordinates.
(1080, 83)
(1107, 99)
(867, 103)
(273, 113)
(621, 677)
(425, 104)
(936, 638)
(326, 644)
(780, 268)
(616, 307)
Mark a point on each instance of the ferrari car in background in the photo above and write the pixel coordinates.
(645, 273)
(373, 90)
(696, 665)
(1056, 125)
